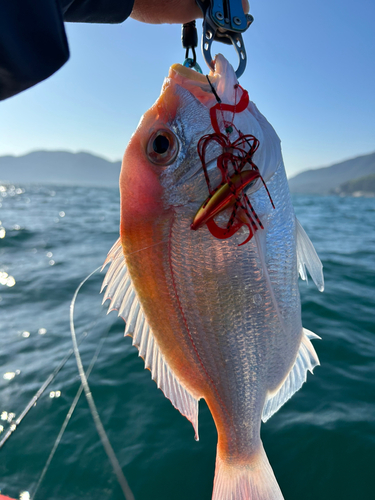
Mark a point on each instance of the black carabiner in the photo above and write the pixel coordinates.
(189, 38)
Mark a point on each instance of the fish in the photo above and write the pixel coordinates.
(205, 271)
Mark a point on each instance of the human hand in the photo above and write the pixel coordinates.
(169, 11)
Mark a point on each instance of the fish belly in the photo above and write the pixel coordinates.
(242, 312)
(226, 317)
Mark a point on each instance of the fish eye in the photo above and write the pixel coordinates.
(252, 183)
(160, 144)
(162, 147)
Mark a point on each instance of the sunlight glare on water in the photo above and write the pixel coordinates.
(7, 280)
(54, 394)
(9, 375)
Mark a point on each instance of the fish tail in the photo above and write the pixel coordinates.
(253, 480)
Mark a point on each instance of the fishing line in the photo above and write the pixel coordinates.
(32, 403)
(68, 416)
(90, 400)
(145, 248)
(38, 394)
(213, 90)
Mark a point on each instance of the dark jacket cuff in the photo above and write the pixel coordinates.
(33, 44)
(97, 11)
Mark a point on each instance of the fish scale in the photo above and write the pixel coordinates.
(212, 318)
(234, 321)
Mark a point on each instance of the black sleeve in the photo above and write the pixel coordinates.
(97, 11)
(33, 42)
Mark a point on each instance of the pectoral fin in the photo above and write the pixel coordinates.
(308, 258)
(124, 299)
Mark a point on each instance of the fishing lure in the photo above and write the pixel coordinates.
(234, 177)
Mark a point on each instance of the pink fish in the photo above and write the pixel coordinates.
(205, 272)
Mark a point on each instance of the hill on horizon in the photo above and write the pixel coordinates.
(364, 186)
(326, 179)
(86, 169)
(60, 167)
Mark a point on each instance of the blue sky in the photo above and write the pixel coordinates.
(311, 72)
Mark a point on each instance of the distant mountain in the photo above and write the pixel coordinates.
(59, 167)
(85, 169)
(327, 179)
(364, 186)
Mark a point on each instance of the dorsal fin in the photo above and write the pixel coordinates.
(306, 359)
(124, 299)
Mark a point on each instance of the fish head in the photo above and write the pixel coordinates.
(162, 153)
(162, 169)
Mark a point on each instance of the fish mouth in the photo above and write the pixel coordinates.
(193, 82)
(188, 73)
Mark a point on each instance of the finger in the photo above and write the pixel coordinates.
(171, 11)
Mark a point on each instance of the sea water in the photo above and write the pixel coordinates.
(321, 444)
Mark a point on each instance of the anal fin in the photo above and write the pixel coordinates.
(306, 360)
(124, 299)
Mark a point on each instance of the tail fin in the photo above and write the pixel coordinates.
(254, 480)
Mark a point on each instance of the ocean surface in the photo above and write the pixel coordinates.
(321, 444)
